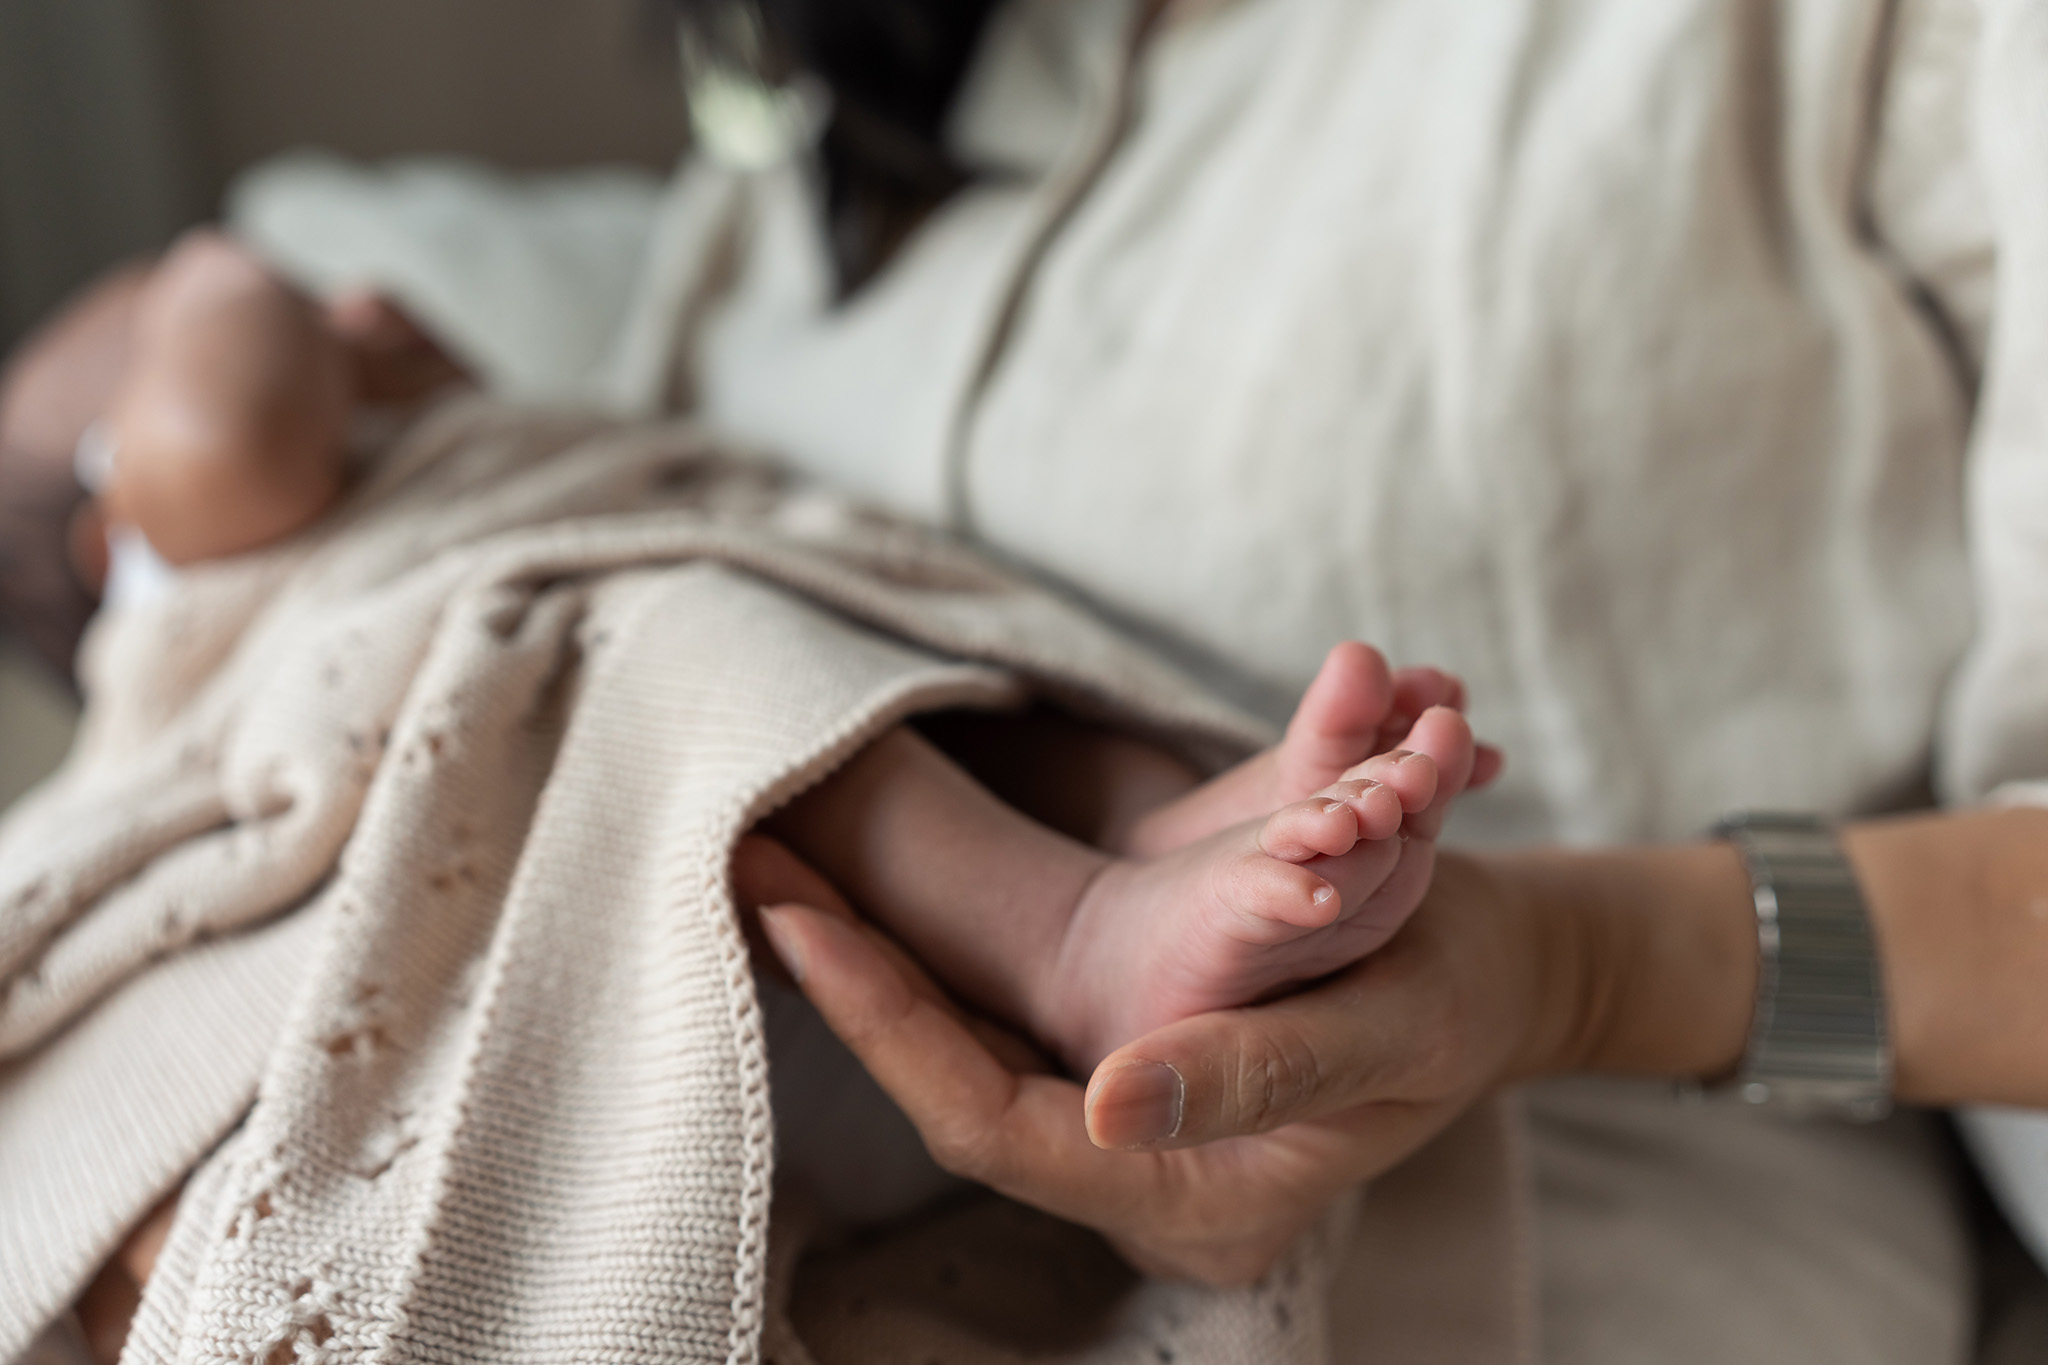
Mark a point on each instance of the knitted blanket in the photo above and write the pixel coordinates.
(384, 903)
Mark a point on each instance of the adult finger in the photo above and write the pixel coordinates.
(1219, 1213)
(1236, 1072)
(765, 872)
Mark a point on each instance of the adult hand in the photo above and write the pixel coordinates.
(1217, 1140)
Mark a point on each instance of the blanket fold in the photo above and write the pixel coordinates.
(387, 886)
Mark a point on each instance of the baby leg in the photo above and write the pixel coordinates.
(1085, 780)
(979, 891)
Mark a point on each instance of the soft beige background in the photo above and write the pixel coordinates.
(527, 83)
(122, 120)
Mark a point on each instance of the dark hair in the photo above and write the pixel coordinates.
(893, 68)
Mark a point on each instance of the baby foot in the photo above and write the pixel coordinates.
(1355, 708)
(1251, 910)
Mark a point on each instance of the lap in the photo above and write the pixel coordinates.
(1711, 1234)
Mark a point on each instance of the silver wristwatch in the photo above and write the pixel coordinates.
(1818, 1043)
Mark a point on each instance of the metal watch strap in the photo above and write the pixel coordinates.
(1818, 1042)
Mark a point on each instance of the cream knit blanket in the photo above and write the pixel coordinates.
(387, 888)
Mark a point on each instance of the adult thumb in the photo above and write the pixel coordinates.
(1235, 1072)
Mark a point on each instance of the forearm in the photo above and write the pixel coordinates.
(1646, 957)
(1649, 959)
(1960, 907)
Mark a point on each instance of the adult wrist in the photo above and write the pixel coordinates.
(1643, 959)
(1556, 957)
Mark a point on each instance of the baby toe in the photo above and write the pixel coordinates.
(1378, 806)
(1446, 737)
(1337, 719)
(1411, 776)
(1322, 826)
(1272, 901)
(1418, 689)
(1359, 875)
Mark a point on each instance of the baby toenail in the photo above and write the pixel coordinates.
(1324, 895)
(1330, 807)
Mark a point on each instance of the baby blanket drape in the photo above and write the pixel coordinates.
(397, 860)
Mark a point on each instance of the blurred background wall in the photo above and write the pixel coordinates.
(96, 158)
(121, 121)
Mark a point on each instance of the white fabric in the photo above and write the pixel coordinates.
(2011, 1145)
(136, 573)
(1540, 341)
(526, 280)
